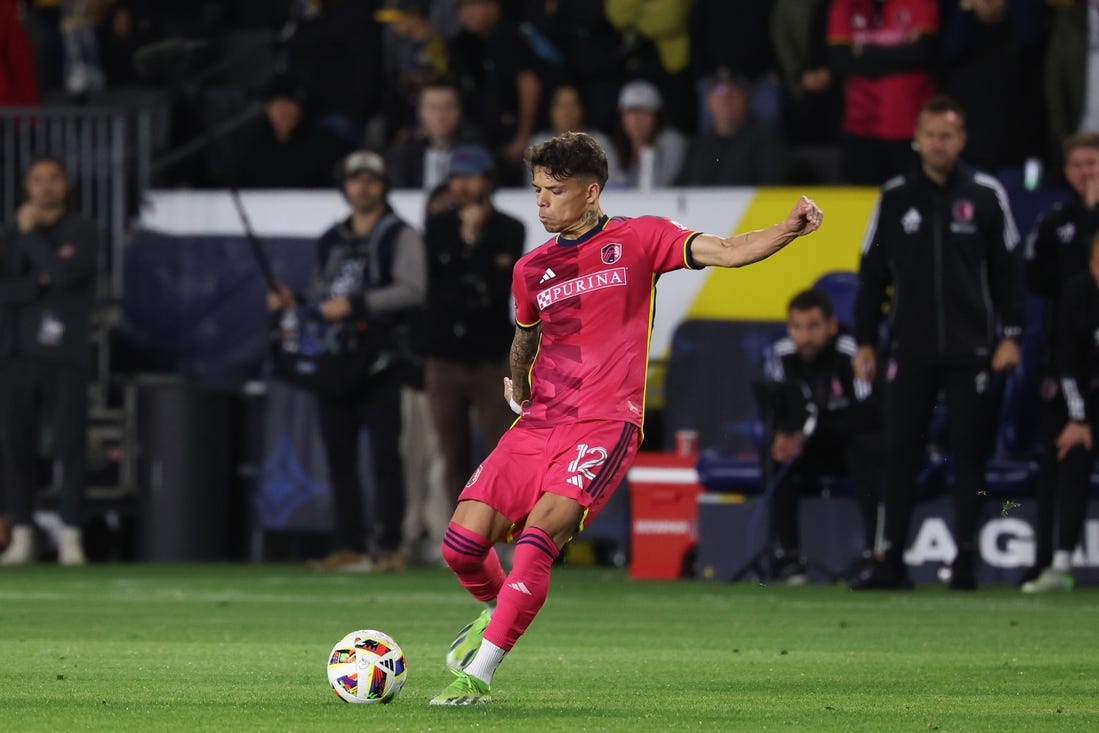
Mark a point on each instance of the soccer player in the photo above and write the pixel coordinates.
(584, 305)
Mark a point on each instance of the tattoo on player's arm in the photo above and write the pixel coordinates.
(523, 348)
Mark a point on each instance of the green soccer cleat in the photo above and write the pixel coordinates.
(464, 690)
(466, 644)
(1050, 581)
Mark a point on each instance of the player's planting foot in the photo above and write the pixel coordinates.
(468, 641)
(1050, 581)
(464, 690)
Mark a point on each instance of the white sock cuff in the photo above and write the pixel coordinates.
(485, 663)
(1062, 561)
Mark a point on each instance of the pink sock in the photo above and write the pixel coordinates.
(524, 590)
(474, 560)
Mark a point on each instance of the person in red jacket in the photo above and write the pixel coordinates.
(18, 86)
(885, 52)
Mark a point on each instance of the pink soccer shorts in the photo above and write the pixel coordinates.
(584, 461)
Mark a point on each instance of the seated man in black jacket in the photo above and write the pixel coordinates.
(822, 420)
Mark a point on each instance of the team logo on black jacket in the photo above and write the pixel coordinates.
(911, 221)
(963, 217)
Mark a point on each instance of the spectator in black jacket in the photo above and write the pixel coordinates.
(944, 239)
(1076, 367)
(1056, 251)
(497, 74)
(471, 251)
(824, 421)
(287, 148)
(50, 258)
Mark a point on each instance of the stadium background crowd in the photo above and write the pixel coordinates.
(253, 94)
(762, 82)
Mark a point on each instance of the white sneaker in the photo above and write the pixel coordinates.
(21, 548)
(70, 546)
(1050, 581)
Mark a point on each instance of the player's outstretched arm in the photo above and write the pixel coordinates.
(744, 249)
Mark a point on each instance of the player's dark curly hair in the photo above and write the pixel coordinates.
(570, 155)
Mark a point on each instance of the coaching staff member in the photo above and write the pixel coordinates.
(53, 253)
(1057, 251)
(943, 237)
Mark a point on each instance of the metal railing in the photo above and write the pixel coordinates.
(106, 153)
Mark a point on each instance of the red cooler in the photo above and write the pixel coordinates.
(664, 493)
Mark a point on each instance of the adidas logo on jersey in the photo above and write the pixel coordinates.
(549, 273)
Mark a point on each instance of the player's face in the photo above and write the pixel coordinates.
(46, 184)
(810, 331)
(941, 137)
(561, 203)
(365, 192)
(1081, 167)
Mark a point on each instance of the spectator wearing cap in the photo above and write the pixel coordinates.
(651, 155)
(740, 150)
(422, 160)
(287, 148)
(471, 251)
(369, 274)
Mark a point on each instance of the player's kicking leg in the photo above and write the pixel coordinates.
(519, 597)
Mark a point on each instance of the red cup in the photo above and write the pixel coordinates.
(686, 442)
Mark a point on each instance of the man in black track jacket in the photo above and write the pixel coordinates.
(944, 239)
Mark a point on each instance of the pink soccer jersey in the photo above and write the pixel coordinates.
(593, 298)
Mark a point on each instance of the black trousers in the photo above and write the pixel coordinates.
(859, 456)
(38, 395)
(378, 409)
(1052, 415)
(1072, 480)
(909, 400)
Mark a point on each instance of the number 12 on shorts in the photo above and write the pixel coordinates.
(583, 467)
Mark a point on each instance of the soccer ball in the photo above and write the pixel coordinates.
(367, 666)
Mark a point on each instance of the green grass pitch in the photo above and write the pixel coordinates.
(242, 648)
